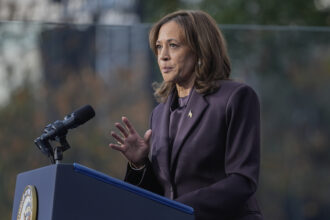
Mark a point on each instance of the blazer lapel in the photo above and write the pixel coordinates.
(194, 110)
(161, 150)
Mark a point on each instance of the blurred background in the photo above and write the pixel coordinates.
(57, 55)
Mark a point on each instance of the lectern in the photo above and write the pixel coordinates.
(73, 191)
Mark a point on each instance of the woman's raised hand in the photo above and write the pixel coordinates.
(131, 144)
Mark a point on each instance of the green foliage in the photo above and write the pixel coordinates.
(152, 10)
(270, 12)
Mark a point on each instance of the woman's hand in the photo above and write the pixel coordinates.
(131, 144)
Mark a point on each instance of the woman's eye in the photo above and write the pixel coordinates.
(173, 45)
(158, 46)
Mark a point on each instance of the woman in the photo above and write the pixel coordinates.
(202, 148)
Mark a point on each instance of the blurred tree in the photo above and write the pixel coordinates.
(290, 71)
(270, 12)
(151, 11)
(18, 123)
(25, 116)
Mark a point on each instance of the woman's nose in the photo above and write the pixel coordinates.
(164, 55)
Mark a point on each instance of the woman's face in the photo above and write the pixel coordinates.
(175, 59)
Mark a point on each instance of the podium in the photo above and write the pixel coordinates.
(73, 191)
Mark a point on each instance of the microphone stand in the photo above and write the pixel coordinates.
(55, 154)
(58, 151)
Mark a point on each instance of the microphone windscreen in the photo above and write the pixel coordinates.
(83, 114)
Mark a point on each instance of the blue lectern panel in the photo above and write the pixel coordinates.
(76, 192)
(129, 187)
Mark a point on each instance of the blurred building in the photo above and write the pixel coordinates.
(56, 42)
(66, 25)
(117, 12)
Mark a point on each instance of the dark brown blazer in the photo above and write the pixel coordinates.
(213, 164)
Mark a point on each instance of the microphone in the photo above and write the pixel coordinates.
(57, 131)
(73, 120)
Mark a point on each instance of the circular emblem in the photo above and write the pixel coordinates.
(28, 204)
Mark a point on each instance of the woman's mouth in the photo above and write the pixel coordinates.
(166, 69)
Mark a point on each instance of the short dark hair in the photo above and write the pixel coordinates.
(205, 39)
